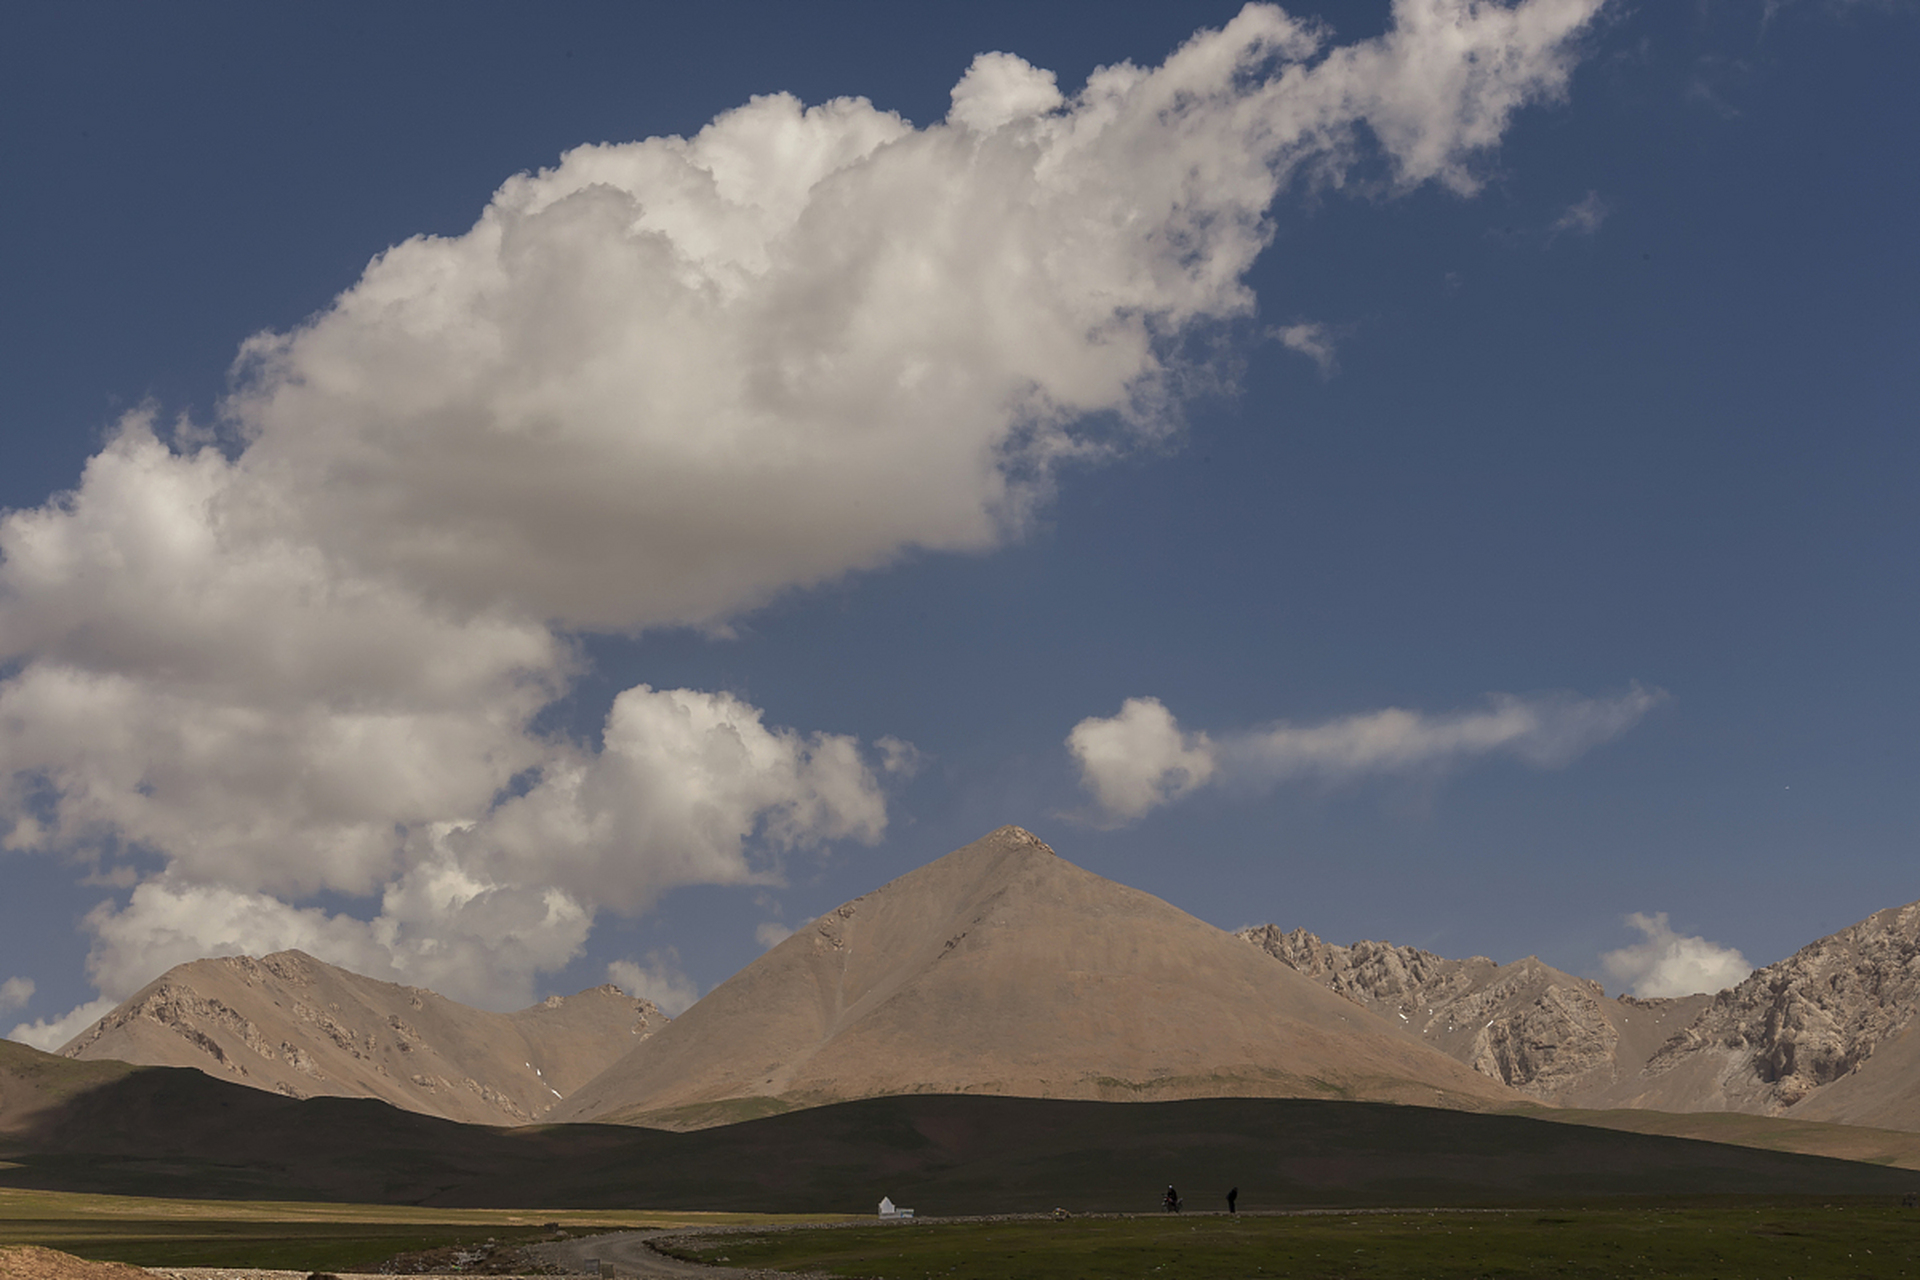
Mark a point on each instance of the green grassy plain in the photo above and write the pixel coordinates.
(1702, 1240)
(1695, 1239)
(303, 1235)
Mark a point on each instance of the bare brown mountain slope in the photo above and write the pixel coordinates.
(1828, 1034)
(294, 1025)
(1004, 969)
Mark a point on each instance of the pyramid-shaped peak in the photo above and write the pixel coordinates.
(1008, 859)
(1004, 968)
(995, 863)
(1019, 836)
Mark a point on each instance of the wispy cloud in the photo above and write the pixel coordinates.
(1312, 340)
(1714, 79)
(1665, 963)
(1142, 758)
(1583, 217)
(15, 994)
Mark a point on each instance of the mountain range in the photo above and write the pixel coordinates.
(1826, 1034)
(1004, 969)
(293, 1025)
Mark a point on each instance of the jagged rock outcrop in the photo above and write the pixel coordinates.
(1830, 1033)
(294, 1025)
(1526, 1024)
(1545, 1045)
(1784, 1040)
(1372, 973)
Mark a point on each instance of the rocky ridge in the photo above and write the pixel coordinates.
(1525, 1024)
(1792, 1029)
(1828, 1033)
(294, 1025)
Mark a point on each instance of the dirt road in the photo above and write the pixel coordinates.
(628, 1256)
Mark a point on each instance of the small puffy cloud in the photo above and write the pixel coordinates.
(1583, 217)
(899, 757)
(657, 384)
(1314, 341)
(15, 993)
(1665, 963)
(770, 934)
(49, 1034)
(660, 980)
(1142, 758)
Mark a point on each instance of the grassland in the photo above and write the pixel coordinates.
(1694, 1239)
(302, 1235)
(1700, 1240)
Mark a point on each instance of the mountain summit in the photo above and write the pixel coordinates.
(1004, 969)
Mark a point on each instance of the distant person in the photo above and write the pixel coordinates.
(1173, 1199)
(1231, 1197)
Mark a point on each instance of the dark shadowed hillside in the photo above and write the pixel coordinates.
(177, 1132)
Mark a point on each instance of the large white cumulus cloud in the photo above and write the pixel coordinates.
(656, 384)
(664, 380)
(261, 714)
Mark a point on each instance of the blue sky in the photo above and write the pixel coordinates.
(1501, 520)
